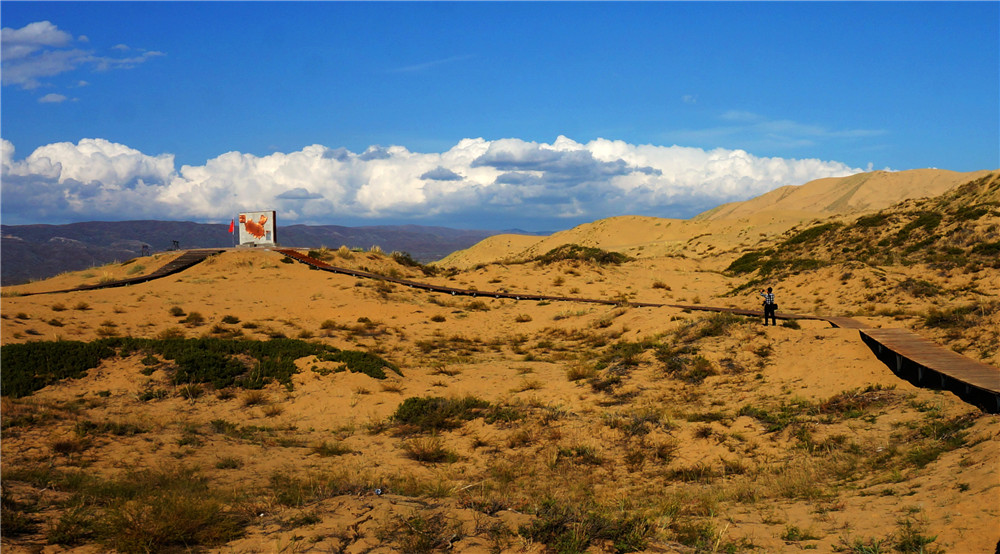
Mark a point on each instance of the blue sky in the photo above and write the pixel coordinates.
(488, 115)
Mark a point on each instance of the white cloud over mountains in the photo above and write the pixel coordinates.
(492, 184)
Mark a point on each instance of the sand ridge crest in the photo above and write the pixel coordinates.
(730, 226)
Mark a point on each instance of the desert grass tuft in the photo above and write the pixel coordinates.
(254, 398)
(429, 449)
(329, 449)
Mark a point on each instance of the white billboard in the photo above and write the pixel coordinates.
(257, 228)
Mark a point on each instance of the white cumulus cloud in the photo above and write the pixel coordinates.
(497, 184)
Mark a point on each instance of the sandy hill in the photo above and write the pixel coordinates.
(735, 225)
(252, 404)
(854, 195)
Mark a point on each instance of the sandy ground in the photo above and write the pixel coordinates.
(690, 456)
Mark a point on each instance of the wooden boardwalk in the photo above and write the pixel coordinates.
(178, 264)
(926, 364)
(907, 354)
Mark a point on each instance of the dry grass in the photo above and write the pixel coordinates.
(614, 429)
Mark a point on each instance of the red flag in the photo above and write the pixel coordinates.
(232, 225)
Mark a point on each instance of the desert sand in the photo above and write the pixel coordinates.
(608, 428)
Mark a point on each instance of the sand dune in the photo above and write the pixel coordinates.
(730, 226)
(854, 195)
(609, 428)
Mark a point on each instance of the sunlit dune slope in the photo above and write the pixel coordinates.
(854, 195)
(730, 226)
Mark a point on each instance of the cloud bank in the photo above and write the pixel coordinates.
(486, 184)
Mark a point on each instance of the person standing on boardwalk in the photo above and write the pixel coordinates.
(769, 306)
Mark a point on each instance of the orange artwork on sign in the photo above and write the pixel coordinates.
(255, 228)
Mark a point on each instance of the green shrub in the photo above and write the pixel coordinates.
(623, 354)
(919, 288)
(567, 527)
(811, 233)
(117, 428)
(582, 253)
(321, 254)
(420, 533)
(434, 413)
(717, 325)
(949, 318)
(404, 258)
(778, 418)
(143, 511)
(194, 319)
(14, 516)
(910, 538)
(748, 262)
(362, 362)
(927, 221)
(987, 249)
(869, 221)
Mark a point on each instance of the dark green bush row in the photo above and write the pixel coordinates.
(811, 233)
(987, 249)
(361, 362)
(754, 261)
(748, 262)
(31, 366)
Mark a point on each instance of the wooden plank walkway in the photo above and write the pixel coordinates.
(927, 364)
(178, 264)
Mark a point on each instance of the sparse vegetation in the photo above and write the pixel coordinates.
(616, 429)
(565, 527)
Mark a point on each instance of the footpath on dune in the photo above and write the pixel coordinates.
(907, 354)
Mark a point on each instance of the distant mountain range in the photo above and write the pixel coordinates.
(40, 251)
